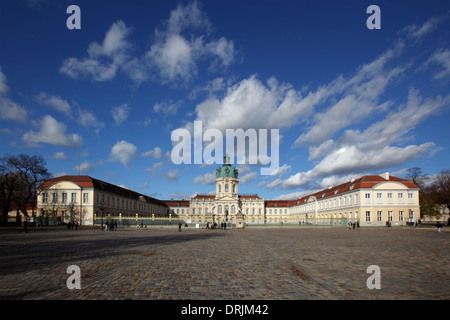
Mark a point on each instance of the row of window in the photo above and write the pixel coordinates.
(379, 215)
(101, 199)
(390, 195)
(227, 188)
(126, 204)
(64, 199)
(347, 201)
(220, 210)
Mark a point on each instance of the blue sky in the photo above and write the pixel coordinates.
(347, 101)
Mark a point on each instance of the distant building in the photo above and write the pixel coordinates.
(370, 200)
(82, 198)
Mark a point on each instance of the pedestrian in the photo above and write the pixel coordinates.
(185, 226)
(353, 225)
(25, 226)
(224, 226)
(115, 225)
(357, 225)
(350, 225)
(439, 225)
(179, 226)
(76, 225)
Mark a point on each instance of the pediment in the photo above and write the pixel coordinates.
(226, 199)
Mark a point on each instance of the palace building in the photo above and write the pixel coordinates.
(82, 198)
(370, 200)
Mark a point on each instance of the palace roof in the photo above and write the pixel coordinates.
(84, 181)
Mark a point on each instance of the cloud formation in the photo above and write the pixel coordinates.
(51, 132)
(123, 152)
(179, 44)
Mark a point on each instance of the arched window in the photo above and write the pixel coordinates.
(234, 188)
(219, 209)
(226, 209)
(226, 188)
(233, 209)
(220, 188)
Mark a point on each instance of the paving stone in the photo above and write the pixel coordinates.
(251, 264)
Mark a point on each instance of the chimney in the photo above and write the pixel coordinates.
(384, 175)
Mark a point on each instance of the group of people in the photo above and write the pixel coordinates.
(72, 224)
(353, 225)
(214, 225)
(111, 225)
(180, 225)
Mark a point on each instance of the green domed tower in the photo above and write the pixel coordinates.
(227, 180)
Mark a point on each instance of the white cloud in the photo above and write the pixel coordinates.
(9, 110)
(249, 177)
(179, 44)
(123, 152)
(207, 178)
(275, 183)
(88, 119)
(351, 100)
(176, 56)
(254, 104)
(3, 86)
(171, 175)
(55, 102)
(155, 169)
(51, 132)
(418, 32)
(84, 167)
(156, 153)
(60, 156)
(167, 107)
(120, 113)
(103, 60)
(441, 58)
(376, 148)
(282, 171)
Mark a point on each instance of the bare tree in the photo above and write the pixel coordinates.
(441, 188)
(19, 177)
(417, 177)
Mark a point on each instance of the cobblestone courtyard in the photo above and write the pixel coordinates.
(250, 264)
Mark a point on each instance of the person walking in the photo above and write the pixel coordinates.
(439, 225)
(25, 226)
(185, 226)
(179, 226)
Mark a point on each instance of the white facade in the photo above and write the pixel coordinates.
(83, 199)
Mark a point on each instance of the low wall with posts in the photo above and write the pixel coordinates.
(139, 221)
